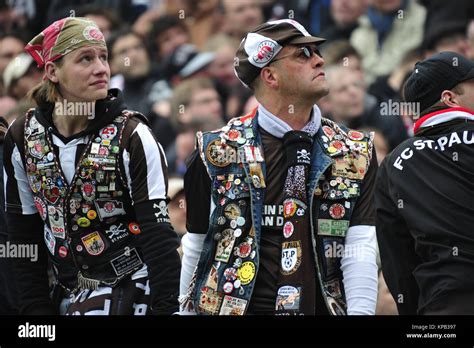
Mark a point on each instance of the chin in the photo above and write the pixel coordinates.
(102, 94)
(321, 92)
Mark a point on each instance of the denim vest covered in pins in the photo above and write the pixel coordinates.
(227, 269)
(89, 228)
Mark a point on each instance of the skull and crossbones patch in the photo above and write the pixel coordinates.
(303, 156)
(160, 210)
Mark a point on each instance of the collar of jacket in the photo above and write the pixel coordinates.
(105, 112)
(277, 127)
(320, 158)
(441, 116)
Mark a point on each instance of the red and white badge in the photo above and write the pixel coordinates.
(337, 211)
(103, 151)
(329, 132)
(266, 50)
(288, 229)
(88, 190)
(230, 274)
(41, 207)
(228, 287)
(109, 132)
(134, 228)
(289, 208)
(355, 135)
(337, 144)
(52, 195)
(109, 207)
(92, 33)
(233, 134)
(62, 251)
(243, 250)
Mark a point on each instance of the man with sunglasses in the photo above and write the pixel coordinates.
(280, 211)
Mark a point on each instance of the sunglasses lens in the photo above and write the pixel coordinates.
(307, 51)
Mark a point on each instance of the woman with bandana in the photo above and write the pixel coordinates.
(86, 182)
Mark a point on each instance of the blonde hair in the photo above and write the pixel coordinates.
(46, 93)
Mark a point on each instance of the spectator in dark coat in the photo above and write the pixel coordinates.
(7, 284)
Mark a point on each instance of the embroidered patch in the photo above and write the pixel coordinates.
(129, 260)
(233, 306)
(212, 279)
(216, 154)
(246, 272)
(350, 166)
(41, 207)
(49, 240)
(288, 298)
(93, 243)
(210, 300)
(327, 227)
(225, 245)
(290, 257)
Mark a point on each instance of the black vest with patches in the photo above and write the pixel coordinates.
(90, 229)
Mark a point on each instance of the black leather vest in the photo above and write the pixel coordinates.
(89, 227)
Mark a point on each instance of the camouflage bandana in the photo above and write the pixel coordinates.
(63, 37)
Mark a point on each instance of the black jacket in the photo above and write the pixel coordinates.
(3, 227)
(8, 304)
(425, 220)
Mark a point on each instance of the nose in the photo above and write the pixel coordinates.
(317, 61)
(101, 67)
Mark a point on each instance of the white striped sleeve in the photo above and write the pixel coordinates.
(145, 166)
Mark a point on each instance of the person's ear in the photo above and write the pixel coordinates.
(270, 77)
(449, 98)
(51, 71)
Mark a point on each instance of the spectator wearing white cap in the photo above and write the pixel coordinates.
(20, 76)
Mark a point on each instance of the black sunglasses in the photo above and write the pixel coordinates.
(304, 53)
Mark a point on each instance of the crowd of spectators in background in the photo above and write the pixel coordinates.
(174, 61)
